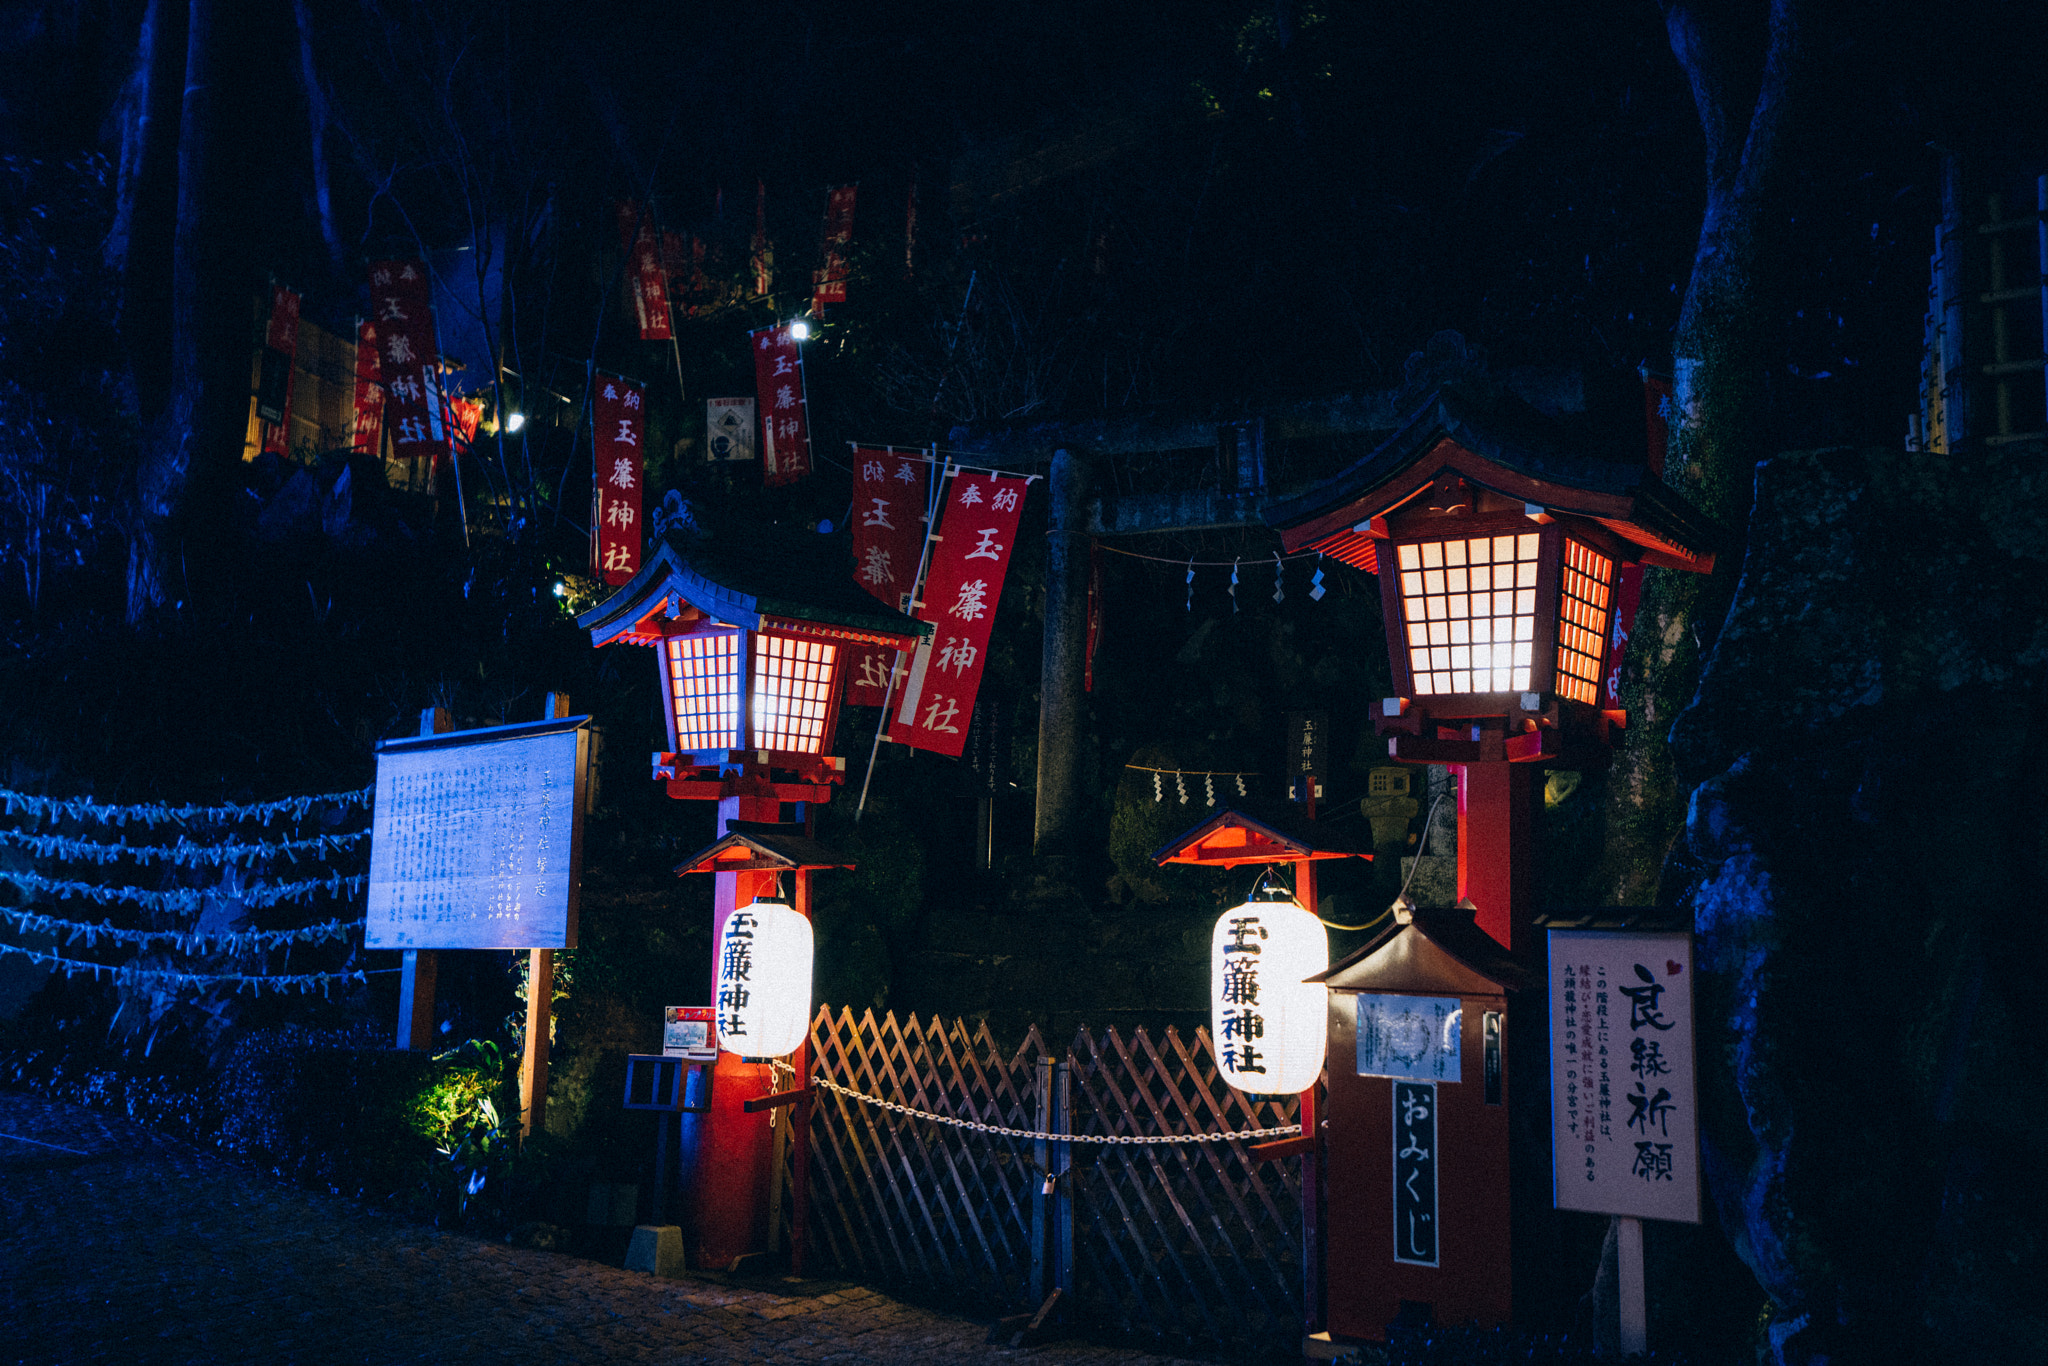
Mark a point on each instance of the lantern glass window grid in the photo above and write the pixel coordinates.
(1584, 610)
(1468, 606)
(789, 690)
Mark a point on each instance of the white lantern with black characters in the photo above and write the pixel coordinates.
(1265, 1021)
(764, 979)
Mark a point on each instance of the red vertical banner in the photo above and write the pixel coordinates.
(890, 490)
(828, 282)
(977, 532)
(619, 428)
(910, 230)
(366, 425)
(281, 350)
(785, 419)
(409, 358)
(644, 272)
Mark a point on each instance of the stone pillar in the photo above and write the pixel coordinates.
(1062, 704)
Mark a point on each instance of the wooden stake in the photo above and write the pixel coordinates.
(419, 967)
(540, 1001)
(1628, 1246)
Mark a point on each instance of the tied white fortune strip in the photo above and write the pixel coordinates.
(255, 896)
(185, 941)
(1278, 1131)
(157, 813)
(184, 853)
(302, 983)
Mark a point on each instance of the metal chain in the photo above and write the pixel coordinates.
(1001, 1132)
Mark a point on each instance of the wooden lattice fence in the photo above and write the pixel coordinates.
(1185, 1241)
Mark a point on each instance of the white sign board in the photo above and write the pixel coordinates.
(1624, 1120)
(1412, 1037)
(475, 839)
(729, 429)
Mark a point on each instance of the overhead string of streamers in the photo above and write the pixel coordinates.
(1316, 586)
(205, 922)
(1180, 781)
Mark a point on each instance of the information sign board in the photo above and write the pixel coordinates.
(476, 838)
(1625, 1126)
(686, 1033)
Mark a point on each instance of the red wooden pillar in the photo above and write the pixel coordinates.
(1497, 848)
(735, 1151)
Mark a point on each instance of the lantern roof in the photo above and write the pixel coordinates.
(763, 847)
(1500, 443)
(804, 586)
(1230, 838)
(1441, 951)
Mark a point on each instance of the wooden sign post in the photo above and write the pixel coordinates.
(476, 843)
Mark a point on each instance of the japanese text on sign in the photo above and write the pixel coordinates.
(619, 424)
(1413, 1037)
(473, 844)
(1625, 1135)
(1415, 1207)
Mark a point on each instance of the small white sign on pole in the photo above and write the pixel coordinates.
(729, 429)
(476, 838)
(1624, 1117)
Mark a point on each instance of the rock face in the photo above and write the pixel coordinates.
(1863, 862)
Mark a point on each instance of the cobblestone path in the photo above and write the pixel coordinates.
(119, 1245)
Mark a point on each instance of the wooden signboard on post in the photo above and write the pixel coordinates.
(476, 843)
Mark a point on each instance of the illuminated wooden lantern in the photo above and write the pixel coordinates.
(749, 640)
(1500, 552)
(750, 644)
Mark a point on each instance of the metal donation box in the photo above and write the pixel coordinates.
(1417, 1158)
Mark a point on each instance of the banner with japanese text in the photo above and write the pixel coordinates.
(890, 489)
(1625, 1126)
(645, 277)
(280, 351)
(963, 584)
(619, 428)
(828, 282)
(785, 420)
(366, 420)
(409, 359)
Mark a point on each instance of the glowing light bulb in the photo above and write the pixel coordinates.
(799, 330)
(515, 422)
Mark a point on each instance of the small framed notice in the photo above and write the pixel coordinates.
(476, 838)
(686, 1033)
(1625, 1120)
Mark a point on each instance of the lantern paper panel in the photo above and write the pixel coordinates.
(1468, 606)
(704, 690)
(1582, 618)
(793, 681)
(1266, 1023)
(763, 980)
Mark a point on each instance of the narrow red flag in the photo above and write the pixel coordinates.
(409, 359)
(977, 532)
(620, 429)
(644, 273)
(889, 495)
(366, 429)
(761, 256)
(281, 349)
(785, 419)
(828, 283)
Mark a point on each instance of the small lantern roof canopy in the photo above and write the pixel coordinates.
(1465, 437)
(1440, 952)
(763, 847)
(1230, 838)
(754, 583)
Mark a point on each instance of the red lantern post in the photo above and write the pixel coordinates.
(750, 645)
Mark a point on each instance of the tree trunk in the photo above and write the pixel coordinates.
(1721, 420)
(317, 121)
(133, 115)
(166, 465)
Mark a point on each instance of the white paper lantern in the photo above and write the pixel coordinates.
(763, 976)
(1267, 1025)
